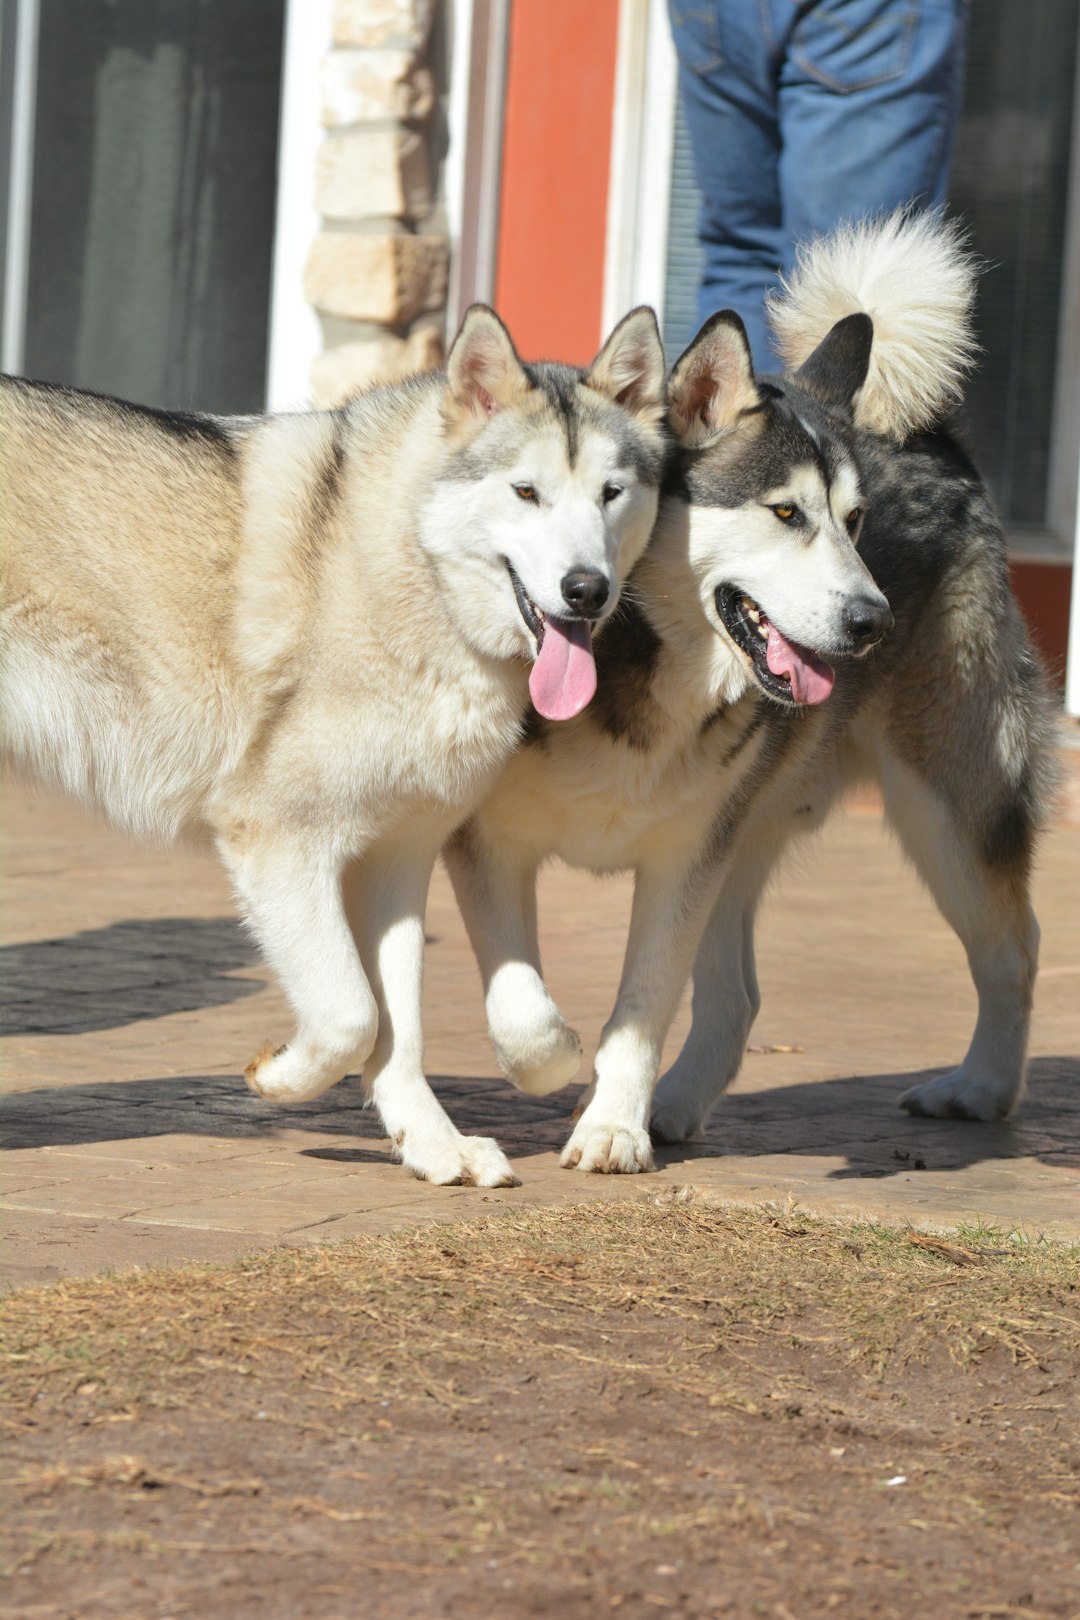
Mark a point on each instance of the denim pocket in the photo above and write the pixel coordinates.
(850, 45)
(696, 32)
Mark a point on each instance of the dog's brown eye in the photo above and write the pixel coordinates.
(526, 492)
(785, 513)
(852, 520)
(610, 492)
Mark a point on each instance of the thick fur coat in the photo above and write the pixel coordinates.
(313, 637)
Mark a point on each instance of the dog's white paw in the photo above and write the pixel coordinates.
(536, 1048)
(539, 1062)
(280, 1077)
(621, 1150)
(455, 1161)
(962, 1095)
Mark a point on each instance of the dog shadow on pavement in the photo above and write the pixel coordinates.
(852, 1118)
(104, 978)
(142, 968)
(856, 1118)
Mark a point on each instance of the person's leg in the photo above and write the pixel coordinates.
(869, 97)
(727, 80)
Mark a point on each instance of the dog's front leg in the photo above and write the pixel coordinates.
(496, 892)
(671, 906)
(386, 896)
(291, 895)
(726, 1002)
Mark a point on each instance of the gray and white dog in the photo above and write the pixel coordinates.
(314, 637)
(824, 602)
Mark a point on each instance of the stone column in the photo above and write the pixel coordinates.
(377, 271)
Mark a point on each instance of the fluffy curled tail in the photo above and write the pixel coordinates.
(913, 275)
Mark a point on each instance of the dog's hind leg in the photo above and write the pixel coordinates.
(291, 895)
(496, 892)
(386, 895)
(977, 873)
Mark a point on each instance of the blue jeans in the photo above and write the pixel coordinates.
(803, 113)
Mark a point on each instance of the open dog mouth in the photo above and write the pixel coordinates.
(562, 681)
(535, 618)
(786, 671)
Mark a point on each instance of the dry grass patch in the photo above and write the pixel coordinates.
(617, 1405)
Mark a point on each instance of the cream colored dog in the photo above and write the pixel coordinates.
(315, 636)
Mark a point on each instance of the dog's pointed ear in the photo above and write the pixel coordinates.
(483, 372)
(630, 369)
(837, 369)
(712, 383)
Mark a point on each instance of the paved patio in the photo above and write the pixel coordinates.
(132, 1001)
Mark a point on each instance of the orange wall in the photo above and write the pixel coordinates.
(560, 91)
(1043, 591)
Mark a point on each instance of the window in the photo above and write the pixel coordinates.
(1011, 184)
(152, 176)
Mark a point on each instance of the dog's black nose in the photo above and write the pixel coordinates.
(867, 618)
(585, 592)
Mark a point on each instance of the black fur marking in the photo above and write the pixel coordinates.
(837, 368)
(186, 425)
(735, 471)
(559, 385)
(329, 480)
(1010, 838)
(626, 658)
(534, 730)
(779, 734)
(465, 842)
(829, 447)
(562, 391)
(644, 456)
(757, 720)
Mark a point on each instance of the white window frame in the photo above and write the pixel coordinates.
(1065, 462)
(22, 34)
(473, 171)
(295, 334)
(642, 141)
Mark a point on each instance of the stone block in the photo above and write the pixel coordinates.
(359, 86)
(390, 279)
(383, 24)
(340, 372)
(370, 172)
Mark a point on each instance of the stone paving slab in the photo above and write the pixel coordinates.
(132, 1000)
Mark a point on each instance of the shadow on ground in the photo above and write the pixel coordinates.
(854, 1118)
(104, 978)
(857, 1118)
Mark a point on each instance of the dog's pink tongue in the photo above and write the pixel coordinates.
(563, 678)
(811, 679)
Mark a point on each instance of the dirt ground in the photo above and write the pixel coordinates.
(613, 1408)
